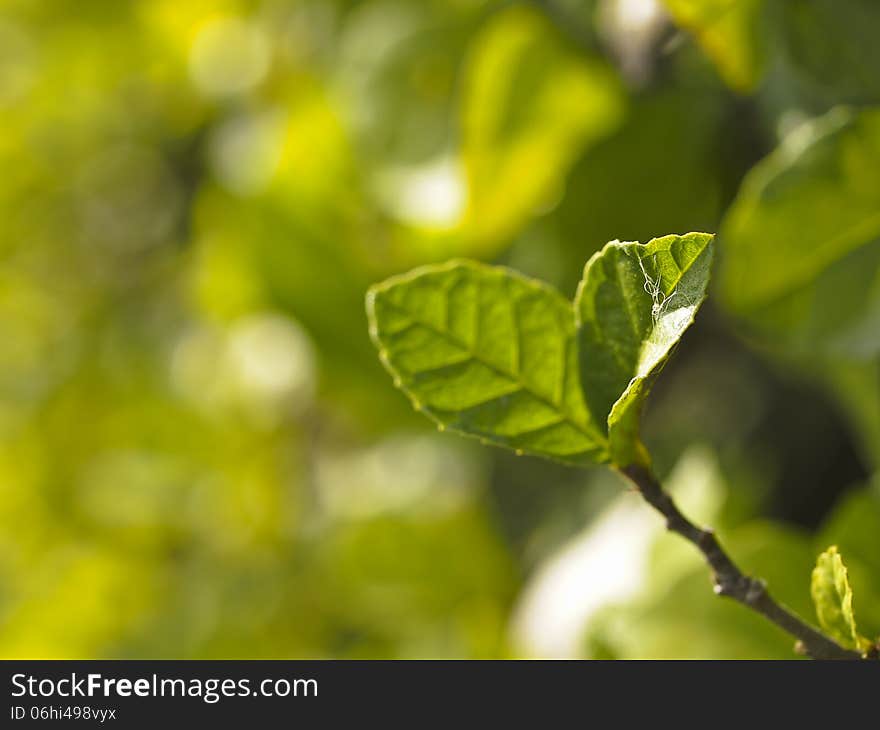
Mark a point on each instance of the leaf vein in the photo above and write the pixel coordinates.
(577, 425)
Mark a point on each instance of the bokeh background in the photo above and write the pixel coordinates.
(200, 455)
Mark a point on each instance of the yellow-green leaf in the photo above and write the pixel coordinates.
(488, 353)
(833, 599)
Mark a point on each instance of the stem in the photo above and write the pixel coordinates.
(729, 579)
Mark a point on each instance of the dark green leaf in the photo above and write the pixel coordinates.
(834, 45)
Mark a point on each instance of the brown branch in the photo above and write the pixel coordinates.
(729, 579)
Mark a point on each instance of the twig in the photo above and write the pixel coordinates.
(729, 579)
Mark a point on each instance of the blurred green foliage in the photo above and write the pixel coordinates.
(200, 455)
(731, 32)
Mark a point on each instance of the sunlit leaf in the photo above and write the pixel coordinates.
(833, 599)
(632, 307)
(802, 240)
(731, 34)
(488, 353)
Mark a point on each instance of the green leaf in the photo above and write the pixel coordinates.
(492, 354)
(488, 353)
(730, 33)
(801, 242)
(530, 104)
(833, 598)
(633, 305)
